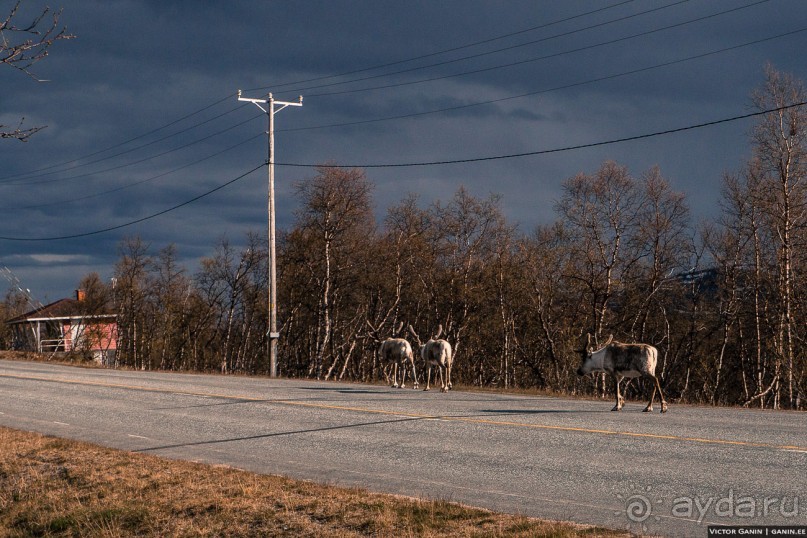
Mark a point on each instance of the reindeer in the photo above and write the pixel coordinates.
(621, 361)
(397, 351)
(436, 352)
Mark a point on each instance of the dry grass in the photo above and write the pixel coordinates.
(56, 487)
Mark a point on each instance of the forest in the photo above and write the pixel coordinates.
(724, 301)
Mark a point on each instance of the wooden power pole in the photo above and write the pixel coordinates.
(272, 107)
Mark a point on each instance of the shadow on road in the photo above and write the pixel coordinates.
(277, 434)
(535, 411)
(345, 391)
(229, 401)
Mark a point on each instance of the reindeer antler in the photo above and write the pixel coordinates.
(373, 332)
(398, 329)
(412, 331)
(439, 331)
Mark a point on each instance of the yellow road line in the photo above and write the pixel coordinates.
(790, 448)
(549, 426)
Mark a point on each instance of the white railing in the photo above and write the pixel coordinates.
(56, 344)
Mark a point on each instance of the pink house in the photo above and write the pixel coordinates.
(65, 326)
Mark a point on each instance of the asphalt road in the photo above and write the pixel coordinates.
(671, 474)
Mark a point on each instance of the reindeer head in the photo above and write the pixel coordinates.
(590, 359)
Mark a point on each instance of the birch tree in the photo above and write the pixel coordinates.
(336, 219)
(130, 292)
(600, 212)
(780, 146)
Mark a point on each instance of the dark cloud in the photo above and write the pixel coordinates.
(117, 149)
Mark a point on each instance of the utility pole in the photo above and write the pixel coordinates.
(272, 107)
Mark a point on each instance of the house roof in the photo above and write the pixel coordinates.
(60, 310)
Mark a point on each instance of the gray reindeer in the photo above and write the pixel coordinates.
(436, 352)
(623, 361)
(398, 352)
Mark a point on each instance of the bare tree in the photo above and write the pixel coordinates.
(89, 336)
(466, 233)
(170, 290)
(780, 145)
(336, 220)
(744, 252)
(14, 303)
(23, 45)
(601, 212)
(661, 240)
(549, 294)
(231, 285)
(130, 296)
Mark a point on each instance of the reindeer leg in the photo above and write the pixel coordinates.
(448, 369)
(661, 395)
(649, 407)
(619, 400)
(403, 377)
(443, 386)
(428, 376)
(414, 375)
(395, 375)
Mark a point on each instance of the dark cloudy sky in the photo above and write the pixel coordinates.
(142, 114)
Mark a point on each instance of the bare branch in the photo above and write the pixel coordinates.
(23, 46)
(19, 133)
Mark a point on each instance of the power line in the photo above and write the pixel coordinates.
(539, 58)
(555, 150)
(137, 221)
(132, 163)
(418, 164)
(399, 84)
(135, 184)
(487, 53)
(21, 179)
(538, 92)
(445, 51)
(380, 66)
(138, 137)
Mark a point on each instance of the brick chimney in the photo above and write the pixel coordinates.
(81, 295)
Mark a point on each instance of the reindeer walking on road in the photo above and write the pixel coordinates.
(398, 352)
(436, 352)
(621, 361)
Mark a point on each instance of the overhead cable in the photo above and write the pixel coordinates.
(428, 163)
(444, 51)
(120, 144)
(132, 163)
(488, 53)
(130, 223)
(538, 92)
(555, 150)
(539, 58)
(229, 96)
(64, 201)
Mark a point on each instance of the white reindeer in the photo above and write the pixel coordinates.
(436, 352)
(397, 351)
(623, 361)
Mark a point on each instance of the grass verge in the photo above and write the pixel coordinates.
(57, 487)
